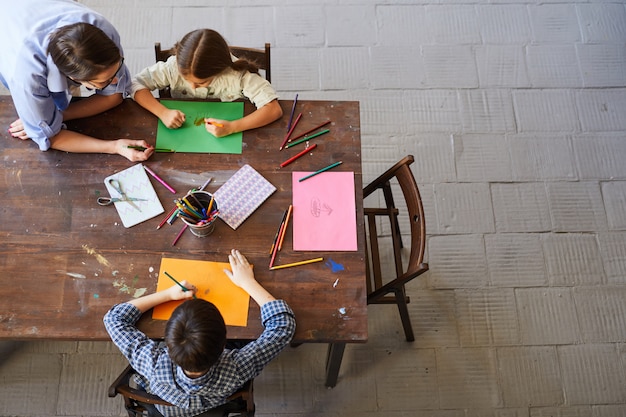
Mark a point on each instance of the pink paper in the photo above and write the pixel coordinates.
(324, 212)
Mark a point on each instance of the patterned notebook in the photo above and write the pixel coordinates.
(241, 195)
(135, 183)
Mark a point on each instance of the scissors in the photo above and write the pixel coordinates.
(105, 201)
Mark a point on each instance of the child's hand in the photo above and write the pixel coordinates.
(175, 292)
(173, 118)
(217, 127)
(241, 270)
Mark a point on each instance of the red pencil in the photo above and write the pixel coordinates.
(309, 131)
(293, 158)
(167, 217)
(293, 126)
(179, 234)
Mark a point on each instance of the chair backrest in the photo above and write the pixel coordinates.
(241, 402)
(401, 174)
(260, 57)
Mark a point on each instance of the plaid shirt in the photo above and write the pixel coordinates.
(160, 376)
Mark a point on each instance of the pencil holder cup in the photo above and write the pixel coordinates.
(201, 200)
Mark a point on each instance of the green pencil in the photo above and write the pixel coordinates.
(179, 284)
(141, 148)
(289, 145)
(321, 170)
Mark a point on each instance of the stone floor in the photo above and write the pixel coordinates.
(516, 114)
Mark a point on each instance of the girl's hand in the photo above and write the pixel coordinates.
(173, 118)
(175, 292)
(122, 148)
(16, 129)
(218, 128)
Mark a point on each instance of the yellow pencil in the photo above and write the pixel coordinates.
(310, 261)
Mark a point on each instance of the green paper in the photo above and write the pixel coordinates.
(195, 139)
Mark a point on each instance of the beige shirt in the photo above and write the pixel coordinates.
(229, 85)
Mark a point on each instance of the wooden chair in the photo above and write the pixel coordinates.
(240, 403)
(390, 289)
(261, 57)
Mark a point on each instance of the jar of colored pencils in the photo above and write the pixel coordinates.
(198, 209)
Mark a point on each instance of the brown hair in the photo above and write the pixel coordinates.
(195, 335)
(204, 53)
(82, 51)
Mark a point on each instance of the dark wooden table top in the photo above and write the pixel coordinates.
(64, 260)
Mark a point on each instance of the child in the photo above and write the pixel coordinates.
(48, 47)
(193, 370)
(202, 67)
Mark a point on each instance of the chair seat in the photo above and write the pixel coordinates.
(138, 402)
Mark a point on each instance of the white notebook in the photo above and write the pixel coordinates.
(136, 184)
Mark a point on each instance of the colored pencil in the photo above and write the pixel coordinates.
(310, 261)
(205, 184)
(282, 237)
(216, 124)
(290, 132)
(277, 235)
(156, 177)
(166, 218)
(179, 234)
(275, 248)
(143, 148)
(293, 158)
(320, 171)
(289, 145)
(179, 284)
(310, 130)
(293, 109)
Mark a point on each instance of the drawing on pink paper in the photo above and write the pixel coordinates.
(324, 212)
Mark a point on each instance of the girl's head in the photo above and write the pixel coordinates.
(203, 54)
(83, 52)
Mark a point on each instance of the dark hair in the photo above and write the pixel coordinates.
(204, 53)
(195, 335)
(82, 51)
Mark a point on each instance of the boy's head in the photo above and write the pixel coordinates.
(195, 335)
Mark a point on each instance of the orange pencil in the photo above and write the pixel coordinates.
(282, 237)
(216, 124)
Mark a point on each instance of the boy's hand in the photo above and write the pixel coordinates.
(242, 273)
(173, 118)
(175, 292)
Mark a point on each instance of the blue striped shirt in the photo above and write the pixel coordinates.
(192, 396)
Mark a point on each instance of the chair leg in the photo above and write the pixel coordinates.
(404, 315)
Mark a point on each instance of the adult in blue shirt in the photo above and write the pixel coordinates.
(50, 46)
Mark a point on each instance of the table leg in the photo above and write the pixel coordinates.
(333, 363)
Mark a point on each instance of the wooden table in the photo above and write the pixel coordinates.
(64, 260)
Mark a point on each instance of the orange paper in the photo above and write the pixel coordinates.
(213, 285)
